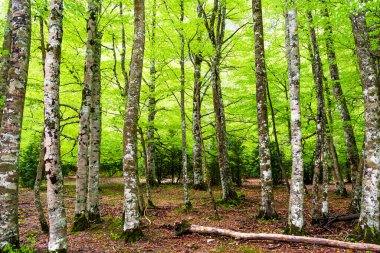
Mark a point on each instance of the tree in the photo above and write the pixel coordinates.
(95, 119)
(296, 199)
(131, 229)
(150, 165)
(56, 208)
(82, 183)
(369, 211)
(196, 59)
(320, 147)
(183, 112)
(352, 150)
(267, 209)
(216, 32)
(10, 131)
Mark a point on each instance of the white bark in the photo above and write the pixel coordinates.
(296, 199)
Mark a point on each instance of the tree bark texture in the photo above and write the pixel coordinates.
(267, 209)
(352, 150)
(4, 61)
(56, 208)
(131, 228)
(296, 199)
(95, 121)
(369, 211)
(10, 132)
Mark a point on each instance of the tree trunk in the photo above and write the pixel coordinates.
(148, 189)
(122, 55)
(81, 212)
(37, 186)
(95, 120)
(41, 162)
(296, 199)
(151, 166)
(216, 35)
(352, 150)
(278, 151)
(56, 208)
(188, 228)
(340, 187)
(267, 209)
(132, 229)
(369, 211)
(183, 112)
(10, 131)
(4, 61)
(320, 147)
(197, 148)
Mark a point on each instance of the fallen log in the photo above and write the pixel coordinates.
(185, 227)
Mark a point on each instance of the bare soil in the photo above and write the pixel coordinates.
(159, 223)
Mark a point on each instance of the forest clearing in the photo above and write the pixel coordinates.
(189, 126)
(159, 231)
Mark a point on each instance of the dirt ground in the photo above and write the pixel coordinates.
(159, 223)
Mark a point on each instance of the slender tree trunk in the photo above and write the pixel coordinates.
(151, 167)
(81, 212)
(183, 112)
(10, 131)
(41, 162)
(369, 211)
(278, 151)
(216, 35)
(296, 199)
(56, 208)
(132, 229)
(4, 61)
(122, 55)
(352, 150)
(267, 209)
(340, 187)
(320, 156)
(197, 148)
(148, 189)
(95, 122)
(37, 185)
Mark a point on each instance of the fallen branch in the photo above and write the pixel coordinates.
(350, 217)
(185, 227)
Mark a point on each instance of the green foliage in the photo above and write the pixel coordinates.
(29, 159)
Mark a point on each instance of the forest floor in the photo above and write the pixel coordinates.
(159, 234)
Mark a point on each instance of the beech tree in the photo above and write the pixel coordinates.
(216, 32)
(296, 221)
(10, 132)
(369, 211)
(56, 207)
(267, 210)
(131, 227)
(87, 111)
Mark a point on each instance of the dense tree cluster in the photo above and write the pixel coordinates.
(213, 91)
